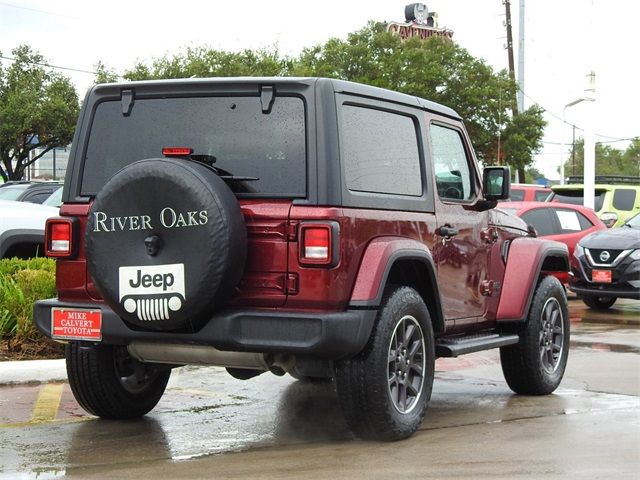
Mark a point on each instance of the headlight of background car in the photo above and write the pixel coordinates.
(579, 251)
(635, 255)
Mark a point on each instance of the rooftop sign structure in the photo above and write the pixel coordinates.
(420, 22)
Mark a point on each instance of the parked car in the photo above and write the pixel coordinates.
(561, 222)
(617, 198)
(605, 266)
(330, 242)
(33, 192)
(526, 192)
(22, 228)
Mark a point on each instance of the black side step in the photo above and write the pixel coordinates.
(455, 346)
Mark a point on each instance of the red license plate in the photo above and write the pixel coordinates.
(76, 324)
(601, 276)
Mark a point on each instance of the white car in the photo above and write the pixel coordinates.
(22, 228)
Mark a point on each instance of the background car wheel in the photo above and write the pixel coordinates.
(599, 303)
(384, 391)
(109, 383)
(536, 364)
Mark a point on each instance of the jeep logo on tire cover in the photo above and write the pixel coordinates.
(152, 292)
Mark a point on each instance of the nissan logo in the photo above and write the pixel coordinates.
(604, 256)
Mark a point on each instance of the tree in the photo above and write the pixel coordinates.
(437, 69)
(105, 74)
(38, 110)
(609, 160)
(206, 62)
(523, 138)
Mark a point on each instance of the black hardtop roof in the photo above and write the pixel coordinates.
(339, 86)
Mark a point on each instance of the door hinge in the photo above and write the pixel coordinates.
(292, 231)
(291, 284)
(489, 235)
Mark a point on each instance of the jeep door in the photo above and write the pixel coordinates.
(461, 252)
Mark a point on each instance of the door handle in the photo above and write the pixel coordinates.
(447, 231)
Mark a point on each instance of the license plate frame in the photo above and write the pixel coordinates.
(601, 276)
(80, 324)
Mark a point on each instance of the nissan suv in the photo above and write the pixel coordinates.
(316, 227)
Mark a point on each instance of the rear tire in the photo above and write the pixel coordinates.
(599, 303)
(384, 391)
(109, 383)
(536, 364)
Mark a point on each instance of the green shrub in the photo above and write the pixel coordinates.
(22, 282)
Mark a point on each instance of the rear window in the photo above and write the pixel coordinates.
(576, 197)
(540, 195)
(233, 130)
(12, 192)
(516, 195)
(624, 199)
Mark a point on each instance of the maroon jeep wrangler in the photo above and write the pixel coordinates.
(315, 227)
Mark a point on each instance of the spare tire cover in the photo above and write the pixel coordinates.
(165, 243)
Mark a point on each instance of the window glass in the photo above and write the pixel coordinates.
(541, 195)
(380, 152)
(516, 195)
(36, 197)
(233, 131)
(571, 221)
(453, 175)
(576, 197)
(541, 220)
(624, 198)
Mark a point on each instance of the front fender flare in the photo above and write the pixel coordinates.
(525, 261)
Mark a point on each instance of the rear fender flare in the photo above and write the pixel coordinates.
(527, 259)
(377, 261)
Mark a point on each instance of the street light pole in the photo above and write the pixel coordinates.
(564, 122)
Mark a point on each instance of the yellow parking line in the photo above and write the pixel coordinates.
(47, 404)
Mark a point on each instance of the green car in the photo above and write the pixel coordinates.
(617, 199)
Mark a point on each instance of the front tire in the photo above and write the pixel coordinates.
(107, 382)
(536, 364)
(599, 303)
(384, 391)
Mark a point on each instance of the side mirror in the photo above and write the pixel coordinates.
(496, 183)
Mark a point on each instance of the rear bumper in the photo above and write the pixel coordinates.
(330, 335)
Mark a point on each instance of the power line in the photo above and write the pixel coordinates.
(612, 139)
(53, 66)
(36, 10)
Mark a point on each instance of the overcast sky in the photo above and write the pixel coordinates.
(564, 41)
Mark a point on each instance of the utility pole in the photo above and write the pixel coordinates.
(512, 74)
(521, 57)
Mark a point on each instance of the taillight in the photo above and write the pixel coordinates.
(609, 219)
(318, 244)
(59, 235)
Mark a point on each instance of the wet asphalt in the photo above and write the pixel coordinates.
(210, 425)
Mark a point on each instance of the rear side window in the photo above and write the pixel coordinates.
(233, 131)
(571, 221)
(380, 152)
(541, 219)
(516, 195)
(624, 199)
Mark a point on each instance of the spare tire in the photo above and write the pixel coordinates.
(165, 243)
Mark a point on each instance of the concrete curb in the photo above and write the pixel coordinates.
(36, 371)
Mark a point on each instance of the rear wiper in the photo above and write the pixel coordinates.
(209, 160)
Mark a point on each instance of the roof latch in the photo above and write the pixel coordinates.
(267, 96)
(127, 100)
